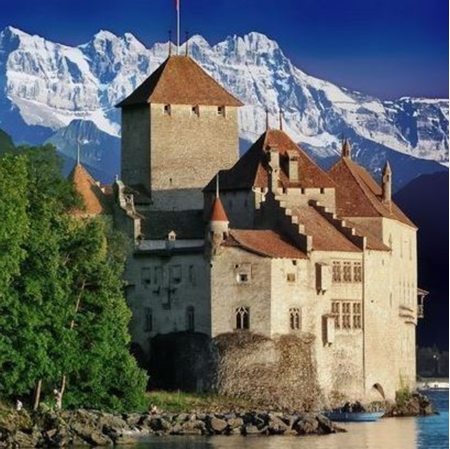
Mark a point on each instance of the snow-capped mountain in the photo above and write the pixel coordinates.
(44, 86)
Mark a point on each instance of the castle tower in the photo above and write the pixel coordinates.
(387, 184)
(179, 128)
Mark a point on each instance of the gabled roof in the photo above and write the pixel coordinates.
(180, 80)
(325, 236)
(95, 201)
(252, 169)
(265, 243)
(359, 195)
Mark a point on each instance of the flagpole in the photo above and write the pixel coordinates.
(178, 26)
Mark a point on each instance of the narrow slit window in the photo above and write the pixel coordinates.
(190, 319)
(357, 272)
(336, 311)
(357, 320)
(221, 111)
(347, 272)
(148, 325)
(346, 315)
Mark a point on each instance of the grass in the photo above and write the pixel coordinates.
(179, 402)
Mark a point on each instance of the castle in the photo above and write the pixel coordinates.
(268, 243)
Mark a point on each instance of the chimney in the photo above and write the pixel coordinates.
(293, 166)
(387, 185)
(346, 149)
(274, 163)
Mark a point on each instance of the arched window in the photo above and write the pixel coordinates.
(242, 318)
(294, 318)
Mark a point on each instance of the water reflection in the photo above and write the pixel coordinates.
(385, 434)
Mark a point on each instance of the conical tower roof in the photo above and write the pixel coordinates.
(218, 212)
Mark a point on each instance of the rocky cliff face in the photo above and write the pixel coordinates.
(44, 86)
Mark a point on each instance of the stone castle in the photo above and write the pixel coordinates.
(267, 244)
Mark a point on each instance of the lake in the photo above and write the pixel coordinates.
(394, 433)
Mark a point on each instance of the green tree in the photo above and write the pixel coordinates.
(62, 311)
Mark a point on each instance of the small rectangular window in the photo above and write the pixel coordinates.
(337, 275)
(347, 272)
(357, 321)
(221, 111)
(145, 276)
(290, 277)
(346, 315)
(357, 272)
(243, 278)
(175, 274)
(167, 109)
(336, 311)
(196, 110)
(158, 275)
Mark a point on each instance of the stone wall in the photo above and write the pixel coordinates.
(136, 145)
(279, 372)
(187, 151)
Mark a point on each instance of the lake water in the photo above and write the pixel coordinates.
(394, 433)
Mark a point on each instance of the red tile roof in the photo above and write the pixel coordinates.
(95, 201)
(325, 237)
(359, 195)
(252, 169)
(218, 212)
(180, 80)
(264, 243)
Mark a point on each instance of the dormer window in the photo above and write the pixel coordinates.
(167, 109)
(221, 111)
(196, 110)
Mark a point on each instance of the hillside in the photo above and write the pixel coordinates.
(426, 201)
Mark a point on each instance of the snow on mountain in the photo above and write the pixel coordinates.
(50, 85)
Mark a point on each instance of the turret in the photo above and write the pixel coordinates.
(218, 222)
(346, 149)
(387, 185)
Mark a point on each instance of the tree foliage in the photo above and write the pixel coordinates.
(50, 262)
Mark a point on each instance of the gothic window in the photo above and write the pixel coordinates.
(190, 319)
(196, 110)
(145, 276)
(175, 274)
(294, 318)
(148, 325)
(357, 322)
(357, 272)
(346, 315)
(221, 111)
(242, 318)
(336, 311)
(337, 275)
(167, 109)
(347, 272)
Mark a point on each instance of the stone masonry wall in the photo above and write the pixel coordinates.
(187, 150)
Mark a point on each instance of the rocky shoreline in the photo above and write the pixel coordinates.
(94, 428)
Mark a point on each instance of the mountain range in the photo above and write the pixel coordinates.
(65, 95)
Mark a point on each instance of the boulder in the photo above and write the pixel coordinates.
(235, 423)
(276, 426)
(306, 426)
(217, 425)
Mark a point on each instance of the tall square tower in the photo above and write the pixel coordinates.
(179, 128)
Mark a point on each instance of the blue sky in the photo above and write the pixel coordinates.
(388, 48)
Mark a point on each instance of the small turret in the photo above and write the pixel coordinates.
(387, 185)
(218, 223)
(346, 149)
